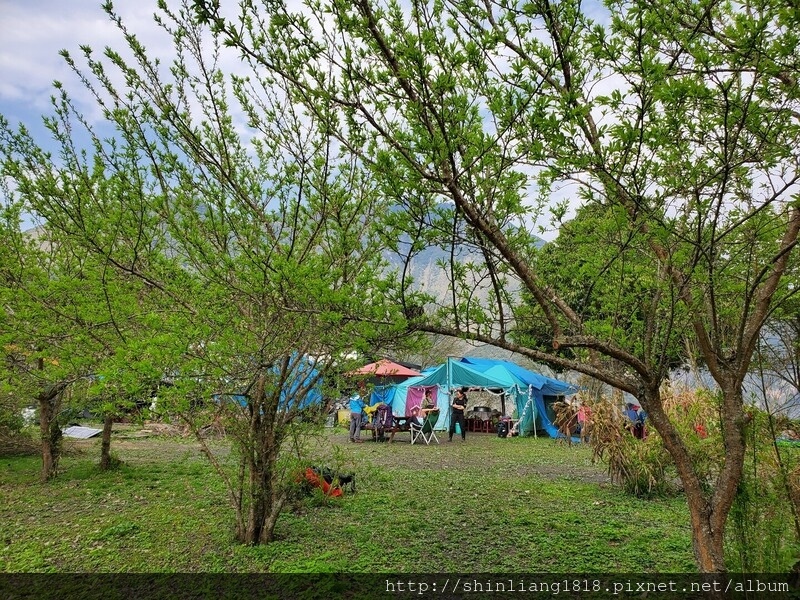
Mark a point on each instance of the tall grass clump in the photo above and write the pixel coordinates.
(639, 466)
(643, 467)
(763, 533)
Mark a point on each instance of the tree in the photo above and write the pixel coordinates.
(249, 235)
(601, 269)
(681, 117)
(65, 314)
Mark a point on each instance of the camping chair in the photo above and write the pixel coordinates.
(381, 421)
(426, 429)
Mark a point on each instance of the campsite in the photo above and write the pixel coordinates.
(489, 505)
(519, 391)
(217, 214)
(535, 501)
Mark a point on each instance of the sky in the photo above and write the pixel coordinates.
(33, 32)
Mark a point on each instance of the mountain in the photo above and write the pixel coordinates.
(426, 267)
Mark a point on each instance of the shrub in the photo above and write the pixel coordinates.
(763, 530)
(763, 533)
(13, 439)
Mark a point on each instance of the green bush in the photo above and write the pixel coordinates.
(14, 440)
(11, 421)
(762, 535)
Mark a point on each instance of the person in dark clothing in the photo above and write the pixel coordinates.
(458, 405)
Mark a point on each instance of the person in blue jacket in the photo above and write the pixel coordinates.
(356, 414)
(635, 416)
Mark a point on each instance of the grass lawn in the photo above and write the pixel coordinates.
(489, 505)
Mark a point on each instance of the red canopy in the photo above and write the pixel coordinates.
(385, 368)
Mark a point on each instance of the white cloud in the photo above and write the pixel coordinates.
(32, 32)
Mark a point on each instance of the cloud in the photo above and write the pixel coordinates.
(32, 32)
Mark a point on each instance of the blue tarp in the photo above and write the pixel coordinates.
(547, 385)
(382, 393)
(303, 375)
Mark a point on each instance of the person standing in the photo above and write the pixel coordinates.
(457, 406)
(356, 411)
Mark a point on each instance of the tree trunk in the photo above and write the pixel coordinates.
(707, 537)
(50, 433)
(266, 501)
(51, 447)
(105, 446)
(707, 542)
(708, 514)
(265, 506)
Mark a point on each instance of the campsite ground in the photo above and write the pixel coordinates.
(489, 505)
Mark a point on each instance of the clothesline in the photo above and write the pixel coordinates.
(514, 390)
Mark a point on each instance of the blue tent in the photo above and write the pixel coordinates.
(533, 411)
(382, 393)
(525, 388)
(303, 385)
(450, 375)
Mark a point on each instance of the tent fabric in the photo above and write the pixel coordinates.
(81, 433)
(385, 368)
(382, 393)
(531, 408)
(534, 416)
(405, 400)
(450, 375)
(303, 385)
(547, 385)
(460, 374)
(415, 395)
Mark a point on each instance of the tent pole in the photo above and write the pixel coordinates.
(533, 411)
(449, 376)
(449, 395)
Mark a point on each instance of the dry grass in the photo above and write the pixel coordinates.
(638, 465)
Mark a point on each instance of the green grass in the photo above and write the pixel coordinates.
(488, 505)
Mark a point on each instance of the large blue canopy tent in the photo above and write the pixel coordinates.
(531, 394)
(523, 387)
